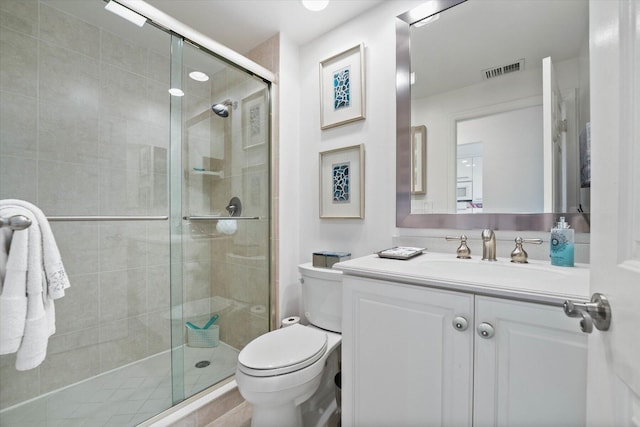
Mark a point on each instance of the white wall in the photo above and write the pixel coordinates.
(289, 184)
(301, 230)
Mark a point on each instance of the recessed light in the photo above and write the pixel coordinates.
(198, 76)
(174, 91)
(315, 5)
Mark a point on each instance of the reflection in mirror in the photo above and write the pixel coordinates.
(418, 159)
(502, 88)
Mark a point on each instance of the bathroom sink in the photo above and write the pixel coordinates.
(533, 277)
(536, 280)
(494, 272)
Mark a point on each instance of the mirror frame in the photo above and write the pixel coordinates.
(404, 218)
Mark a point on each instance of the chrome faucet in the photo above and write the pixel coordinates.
(488, 245)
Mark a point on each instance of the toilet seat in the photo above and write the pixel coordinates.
(283, 351)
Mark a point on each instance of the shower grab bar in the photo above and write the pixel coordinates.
(217, 218)
(20, 222)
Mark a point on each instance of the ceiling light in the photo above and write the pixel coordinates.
(315, 5)
(126, 13)
(198, 76)
(174, 91)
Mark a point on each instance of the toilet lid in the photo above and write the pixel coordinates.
(282, 351)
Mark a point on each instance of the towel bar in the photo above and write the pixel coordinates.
(108, 218)
(20, 222)
(219, 218)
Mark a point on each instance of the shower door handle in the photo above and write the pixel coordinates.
(220, 218)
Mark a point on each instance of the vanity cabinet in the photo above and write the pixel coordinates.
(533, 370)
(414, 355)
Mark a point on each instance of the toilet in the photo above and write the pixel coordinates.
(281, 369)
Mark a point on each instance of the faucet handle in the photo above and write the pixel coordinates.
(519, 255)
(463, 251)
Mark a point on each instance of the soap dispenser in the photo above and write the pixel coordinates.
(562, 242)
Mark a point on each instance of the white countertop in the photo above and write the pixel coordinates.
(537, 281)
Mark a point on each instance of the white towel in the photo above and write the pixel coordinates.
(55, 274)
(37, 330)
(13, 298)
(34, 277)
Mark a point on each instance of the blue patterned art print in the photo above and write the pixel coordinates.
(341, 88)
(341, 184)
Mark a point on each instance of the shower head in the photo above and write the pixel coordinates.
(222, 109)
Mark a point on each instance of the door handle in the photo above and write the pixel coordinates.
(598, 312)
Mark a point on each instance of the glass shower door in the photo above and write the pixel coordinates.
(84, 135)
(225, 210)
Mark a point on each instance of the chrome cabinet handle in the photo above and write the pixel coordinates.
(460, 323)
(595, 313)
(485, 330)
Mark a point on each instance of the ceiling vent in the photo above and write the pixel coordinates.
(503, 69)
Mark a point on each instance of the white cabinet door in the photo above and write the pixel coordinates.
(532, 372)
(404, 361)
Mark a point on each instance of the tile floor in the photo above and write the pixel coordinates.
(123, 397)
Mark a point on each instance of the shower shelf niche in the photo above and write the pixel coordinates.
(219, 174)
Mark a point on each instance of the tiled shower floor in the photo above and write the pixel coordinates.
(126, 396)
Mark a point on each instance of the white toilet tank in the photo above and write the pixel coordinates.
(322, 296)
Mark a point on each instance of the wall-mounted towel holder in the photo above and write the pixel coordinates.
(20, 222)
(15, 222)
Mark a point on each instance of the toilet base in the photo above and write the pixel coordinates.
(280, 409)
(272, 416)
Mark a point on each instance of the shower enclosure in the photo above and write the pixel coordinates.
(139, 185)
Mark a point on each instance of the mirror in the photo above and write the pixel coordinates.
(505, 129)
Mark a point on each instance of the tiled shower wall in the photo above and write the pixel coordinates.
(84, 130)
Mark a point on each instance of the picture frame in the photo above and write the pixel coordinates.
(254, 120)
(419, 159)
(342, 183)
(255, 187)
(342, 89)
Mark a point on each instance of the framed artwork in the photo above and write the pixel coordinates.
(342, 88)
(342, 182)
(255, 197)
(254, 119)
(419, 159)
